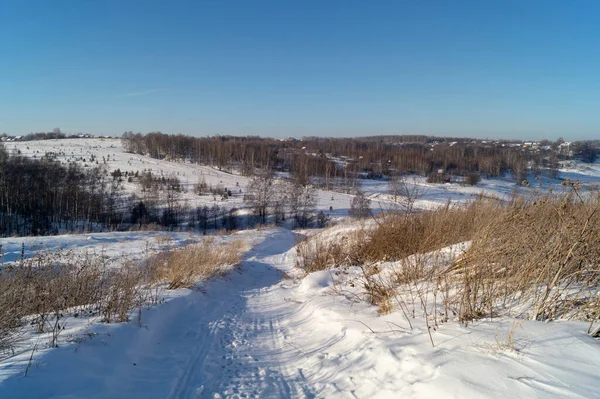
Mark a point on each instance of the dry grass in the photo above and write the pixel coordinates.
(47, 289)
(315, 254)
(539, 257)
(397, 236)
(185, 267)
(535, 257)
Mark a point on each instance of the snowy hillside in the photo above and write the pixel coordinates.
(109, 153)
(270, 329)
(255, 334)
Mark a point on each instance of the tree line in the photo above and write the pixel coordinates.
(42, 196)
(329, 160)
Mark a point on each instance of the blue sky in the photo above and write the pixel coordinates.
(512, 69)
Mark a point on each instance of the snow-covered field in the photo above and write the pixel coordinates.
(109, 153)
(110, 150)
(257, 334)
(264, 332)
(114, 246)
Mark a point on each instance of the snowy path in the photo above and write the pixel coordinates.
(225, 342)
(240, 347)
(254, 334)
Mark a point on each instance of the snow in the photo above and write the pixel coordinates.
(189, 174)
(267, 330)
(584, 172)
(256, 333)
(429, 195)
(113, 245)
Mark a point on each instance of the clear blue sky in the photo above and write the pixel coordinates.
(515, 69)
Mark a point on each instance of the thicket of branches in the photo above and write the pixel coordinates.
(39, 196)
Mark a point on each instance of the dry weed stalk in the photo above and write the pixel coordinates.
(536, 256)
(48, 289)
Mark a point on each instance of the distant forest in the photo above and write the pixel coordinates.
(371, 157)
(42, 196)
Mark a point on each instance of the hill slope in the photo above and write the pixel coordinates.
(256, 334)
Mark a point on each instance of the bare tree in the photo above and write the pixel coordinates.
(322, 219)
(360, 206)
(281, 201)
(553, 165)
(518, 167)
(302, 200)
(404, 193)
(202, 215)
(260, 194)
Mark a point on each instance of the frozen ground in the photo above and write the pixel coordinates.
(258, 334)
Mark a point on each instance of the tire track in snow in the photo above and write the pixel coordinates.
(250, 354)
(241, 352)
(182, 386)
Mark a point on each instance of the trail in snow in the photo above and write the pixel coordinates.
(226, 341)
(254, 334)
(241, 352)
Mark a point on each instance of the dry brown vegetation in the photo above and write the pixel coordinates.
(542, 251)
(48, 289)
(536, 256)
(185, 267)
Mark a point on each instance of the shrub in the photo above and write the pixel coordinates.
(472, 179)
(360, 206)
